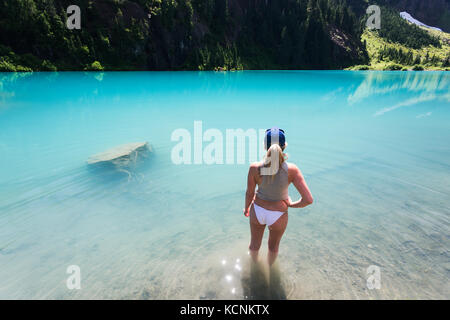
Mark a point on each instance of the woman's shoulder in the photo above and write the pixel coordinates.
(293, 170)
(255, 164)
(291, 166)
(254, 167)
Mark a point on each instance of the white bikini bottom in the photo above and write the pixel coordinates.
(265, 216)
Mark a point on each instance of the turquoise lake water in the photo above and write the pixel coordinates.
(373, 147)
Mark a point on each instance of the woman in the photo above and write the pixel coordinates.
(269, 206)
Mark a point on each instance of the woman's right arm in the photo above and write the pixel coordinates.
(300, 184)
(251, 185)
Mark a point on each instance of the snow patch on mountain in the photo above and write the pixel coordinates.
(405, 15)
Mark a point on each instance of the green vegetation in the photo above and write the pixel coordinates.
(211, 35)
(396, 29)
(386, 55)
(400, 45)
(9, 61)
(35, 32)
(179, 35)
(95, 66)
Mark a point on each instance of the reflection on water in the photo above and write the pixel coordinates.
(413, 82)
(422, 88)
(373, 147)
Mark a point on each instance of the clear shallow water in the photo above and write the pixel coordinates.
(373, 147)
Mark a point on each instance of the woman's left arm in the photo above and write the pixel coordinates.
(300, 184)
(251, 185)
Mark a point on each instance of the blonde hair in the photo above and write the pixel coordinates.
(274, 149)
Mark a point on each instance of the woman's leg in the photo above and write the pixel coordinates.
(276, 232)
(257, 233)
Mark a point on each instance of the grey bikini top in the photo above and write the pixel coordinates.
(275, 188)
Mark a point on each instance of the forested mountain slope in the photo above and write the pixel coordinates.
(193, 34)
(400, 45)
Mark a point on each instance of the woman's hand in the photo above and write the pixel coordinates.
(247, 212)
(288, 202)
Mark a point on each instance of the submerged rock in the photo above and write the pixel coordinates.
(120, 156)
